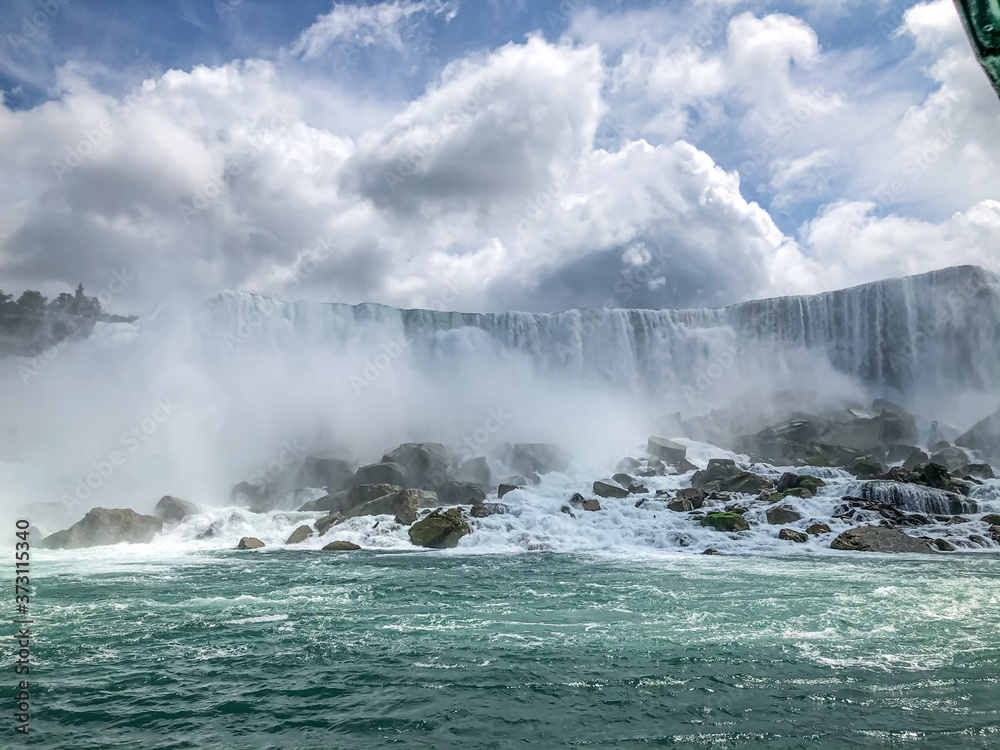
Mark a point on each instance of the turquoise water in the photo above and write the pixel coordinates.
(142, 648)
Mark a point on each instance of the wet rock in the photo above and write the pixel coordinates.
(479, 511)
(722, 475)
(979, 471)
(363, 493)
(103, 526)
(865, 468)
(710, 551)
(781, 515)
(341, 546)
(496, 509)
(439, 530)
(680, 505)
(591, 505)
(323, 524)
(423, 465)
(725, 521)
(956, 520)
(250, 542)
(173, 509)
(853, 507)
(818, 528)
(993, 519)
(790, 481)
(403, 505)
(387, 472)
(452, 492)
(984, 437)
(609, 489)
(915, 459)
(299, 535)
(878, 539)
(475, 471)
(628, 465)
(790, 535)
(944, 545)
(950, 457)
(503, 489)
(900, 452)
(692, 494)
(668, 451)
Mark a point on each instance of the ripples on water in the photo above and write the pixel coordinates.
(295, 649)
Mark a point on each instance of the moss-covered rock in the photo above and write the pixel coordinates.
(725, 521)
(439, 530)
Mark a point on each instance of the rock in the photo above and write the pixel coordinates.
(628, 465)
(536, 458)
(580, 501)
(333, 473)
(250, 542)
(915, 459)
(424, 465)
(790, 481)
(609, 489)
(364, 493)
(680, 505)
(956, 520)
(623, 479)
(878, 539)
(439, 530)
(854, 507)
(460, 493)
(323, 524)
(257, 496)
(403, 505)
(387, 472)
(337, 501)
(818, 528)
(173, 509)
(950, 457)
(782, 515)
(790, 535)
(866, 468)
(710, 551)
(496, 509)
(503, 489)
(299, 535)
(994, 532)
(993, 519)
(917, 497)
(666, 450)
(944, 545)
(479, 511)
(475, 471)
(106, 526)
(931, 475)
(341, 546)
(725, 521)
(696, 496)
(979, 471)
(984, 437)
(722, 475)
(900, 452)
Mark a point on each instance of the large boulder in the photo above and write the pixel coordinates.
(725, 521)
(387, 472)
(950, 457)
(323, 525)
(333, 473)
(439, 530)
(722, 475)
(790, 535)
(781, 515)
(424, 465)
(669, 452)
(173, 509)
(250, 542)
(609, 488)
(452, 492)
(475, 471)
(259, 497)
(878, 539)
(106, 526)
(402, 505)
(341, 546)
(299, 535)
(984, 436)
(362, 493)
(536, 458)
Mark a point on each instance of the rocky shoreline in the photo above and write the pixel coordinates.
(901, 497)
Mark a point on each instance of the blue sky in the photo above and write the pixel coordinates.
(502, 155)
